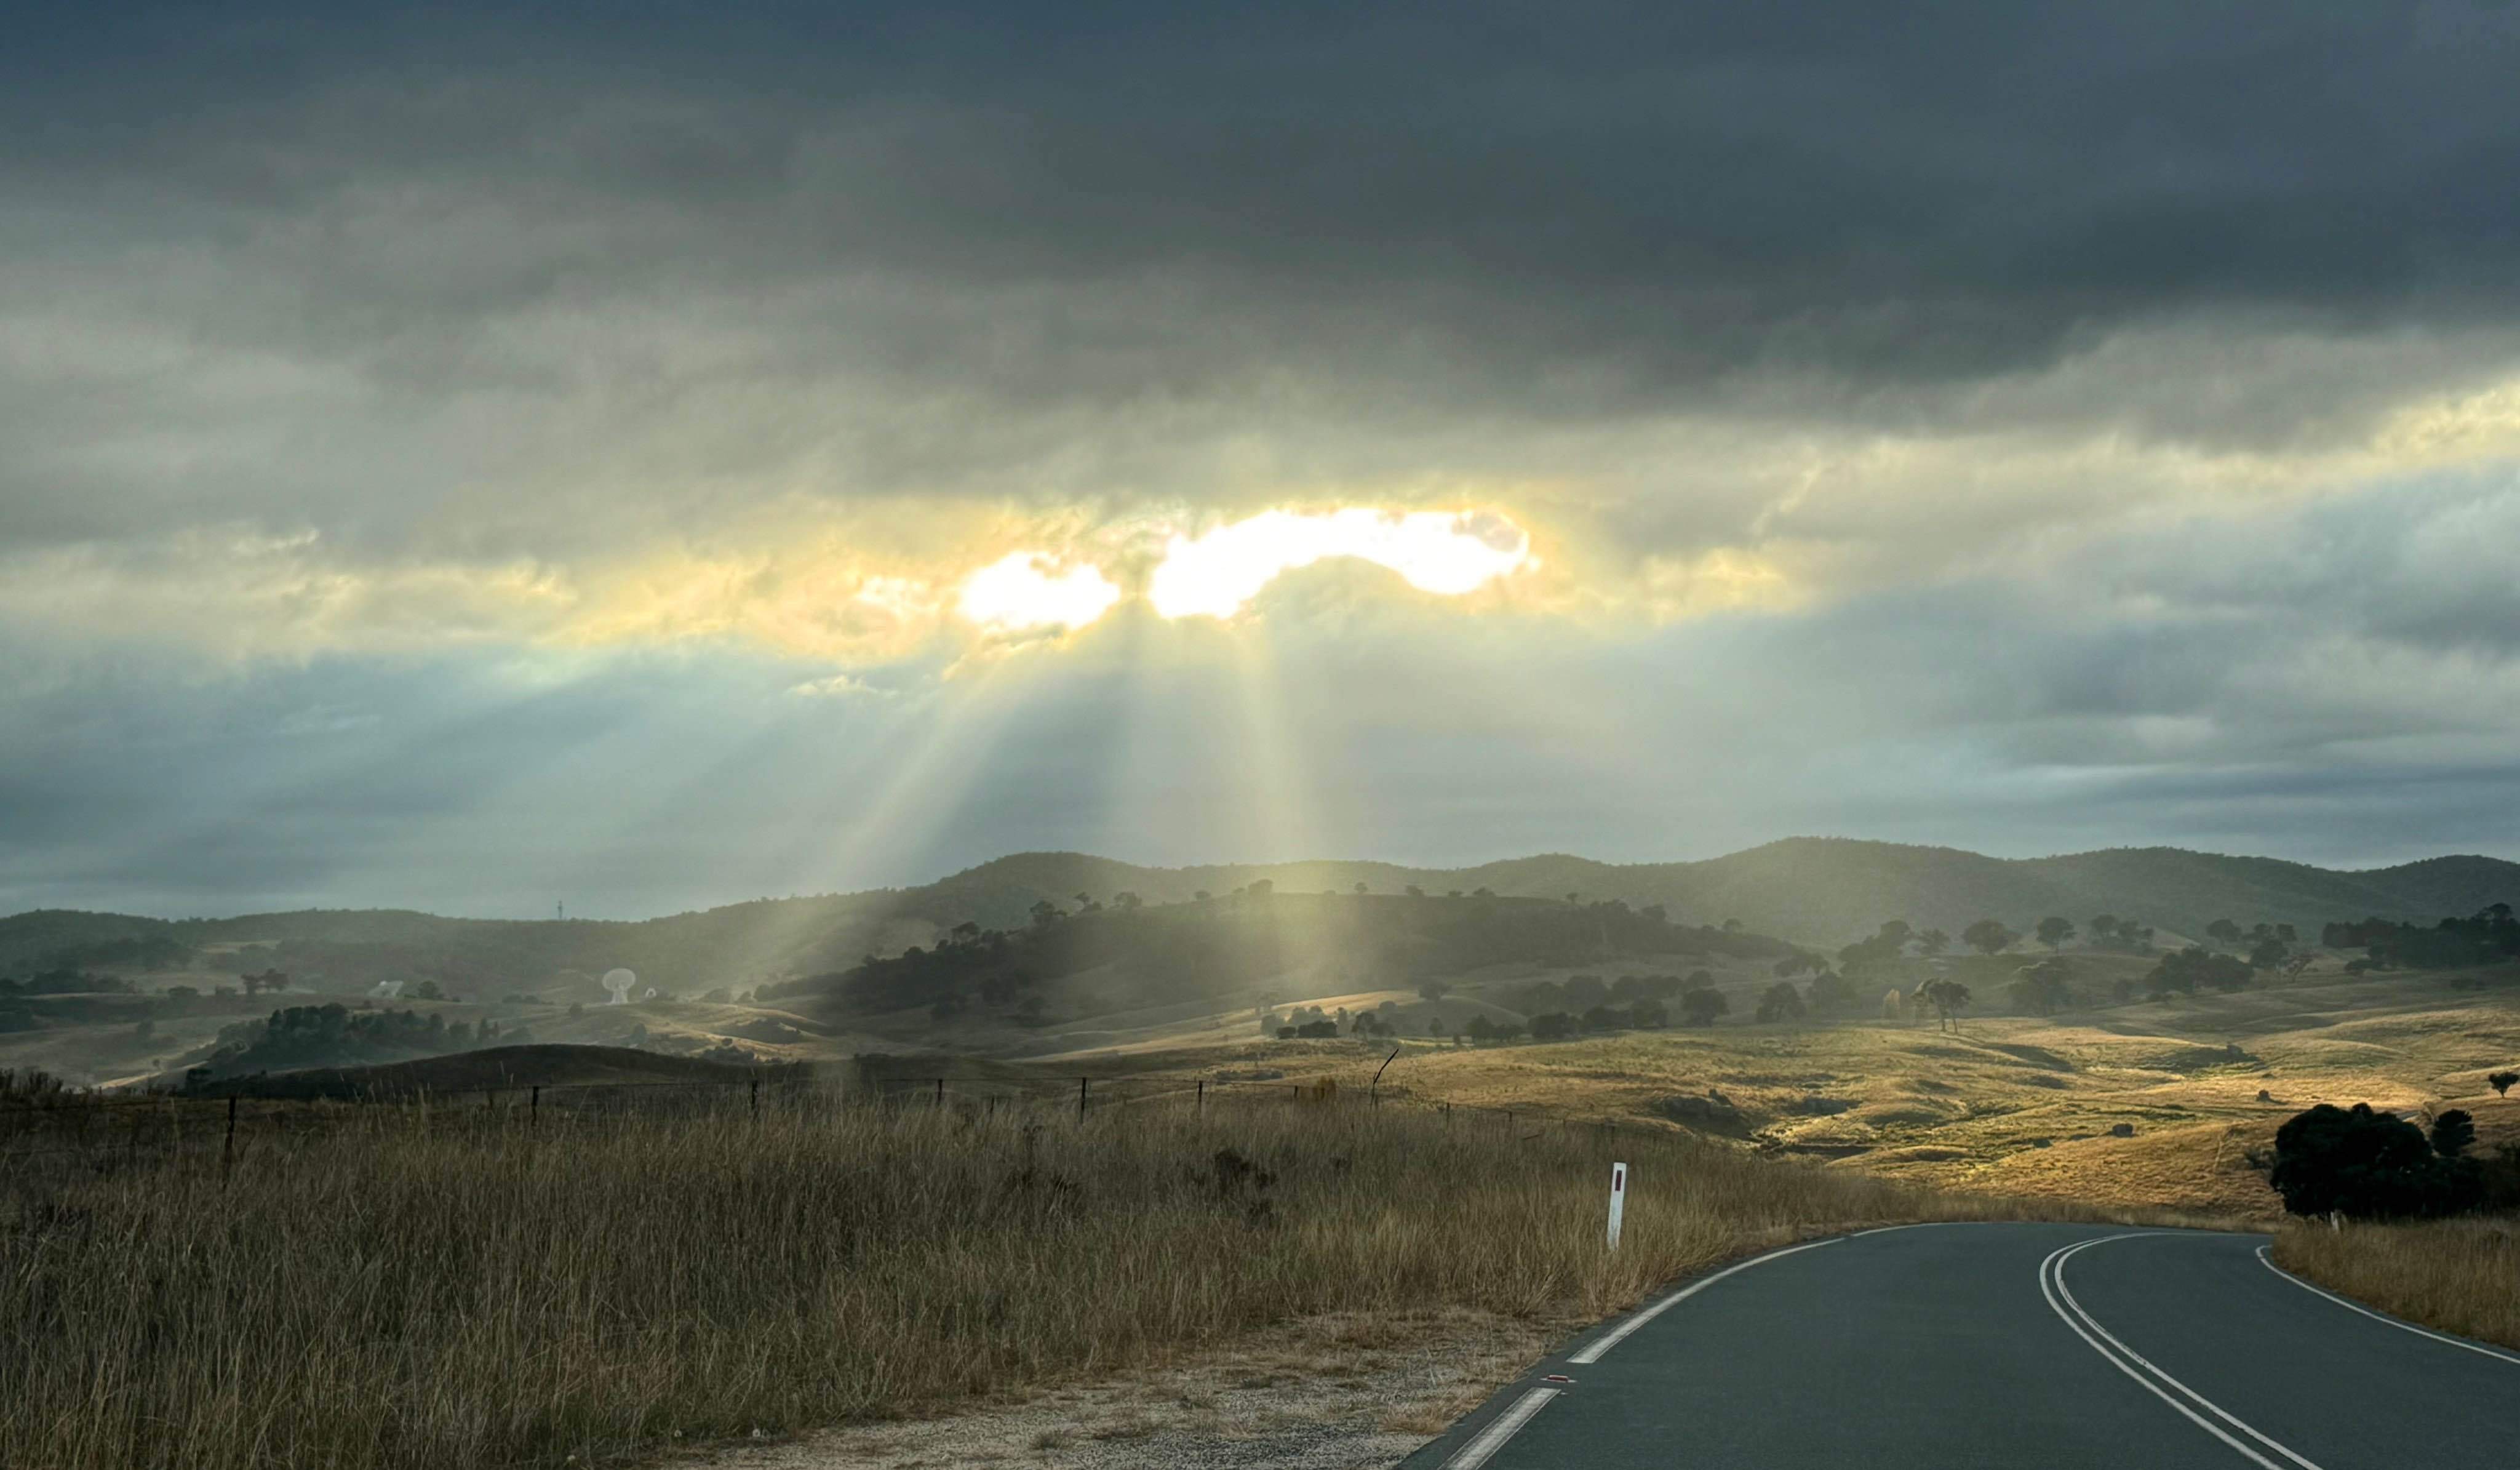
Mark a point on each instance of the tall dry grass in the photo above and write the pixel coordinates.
(385, 1295)
(2458, 1275)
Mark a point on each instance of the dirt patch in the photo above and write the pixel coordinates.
(1344, 1391)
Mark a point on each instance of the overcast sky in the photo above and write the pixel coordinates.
(652, 456)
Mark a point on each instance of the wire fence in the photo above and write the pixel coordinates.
(48, 1136)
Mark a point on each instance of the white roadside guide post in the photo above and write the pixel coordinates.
(1618, 1200)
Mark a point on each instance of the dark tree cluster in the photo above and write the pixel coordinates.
(1781, 1002)
(1221, 947)
(2043, 988)
(1887, 944)
(1482, 1029)
(2489, 936)
(2124, 936)
(66, 982)
(325, 1036)
(1580, 992)
(2181, 974)
(148, 951)
(2365, 1165)
(1644, 1015)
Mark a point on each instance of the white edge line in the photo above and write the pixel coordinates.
(2148, 1385)
(1504, 1426)
(2154, 1368)
(1593, 1351)
(2267, 1259)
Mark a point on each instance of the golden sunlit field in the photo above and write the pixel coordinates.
(497, 1294)
(2008, 1105)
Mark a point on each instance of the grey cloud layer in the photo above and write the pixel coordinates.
(2000, 713)
(1945, 308)
(350, 271)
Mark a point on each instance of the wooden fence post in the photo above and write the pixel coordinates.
(1080, 1097)
(227, 1151)
(1202, 1107)
(940, 1092)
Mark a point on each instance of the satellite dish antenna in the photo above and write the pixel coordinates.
(619, 981)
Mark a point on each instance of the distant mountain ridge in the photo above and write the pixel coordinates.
(1815, 891)
(1831, 890)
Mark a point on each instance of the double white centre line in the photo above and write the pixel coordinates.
(2134, 1366)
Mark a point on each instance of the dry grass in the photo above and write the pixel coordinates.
(2456, 1275)
(390, 1295)
(2018, 1105)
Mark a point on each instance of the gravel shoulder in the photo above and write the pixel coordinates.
(1341, 1392)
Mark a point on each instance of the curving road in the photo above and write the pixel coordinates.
(2014, 1344)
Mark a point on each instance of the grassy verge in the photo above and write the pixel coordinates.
(395, 1297)
(2456, 1275)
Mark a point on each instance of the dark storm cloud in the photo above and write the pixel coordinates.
(1878, 196)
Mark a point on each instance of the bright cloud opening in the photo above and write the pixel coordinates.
(1434, 551)
(1018, 591)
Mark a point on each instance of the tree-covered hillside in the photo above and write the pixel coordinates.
(1227, 944)
(1819, 892)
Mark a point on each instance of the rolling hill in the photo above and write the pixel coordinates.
(1816, 890)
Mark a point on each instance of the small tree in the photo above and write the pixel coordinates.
(1931, 942)
(1434, 990)
(2042, 988)
(1701, 1007)
(1781, 1002)
(1947, 997)
(2453, 1134)
(1989, 936)
(2502, 1081)
(2055, 931)
(1556, 1026)
(2224, 932)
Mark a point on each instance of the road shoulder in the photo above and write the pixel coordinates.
(1348, 1390)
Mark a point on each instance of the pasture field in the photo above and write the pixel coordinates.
(2008, 1105)
(389, 1292)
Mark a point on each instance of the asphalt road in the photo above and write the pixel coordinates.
(2018, 1345)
